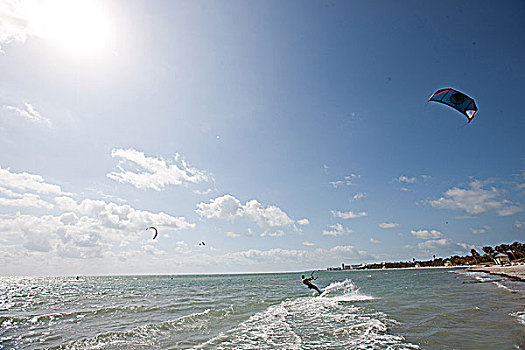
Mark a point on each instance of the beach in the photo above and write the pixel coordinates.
(513, 272)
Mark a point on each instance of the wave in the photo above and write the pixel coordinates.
(151, 335)
(344, 291)
(314, 323)
(485, 277)
(520, 316)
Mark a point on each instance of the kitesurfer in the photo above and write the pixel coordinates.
(307, 282)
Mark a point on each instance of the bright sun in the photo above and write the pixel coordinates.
(81, 27)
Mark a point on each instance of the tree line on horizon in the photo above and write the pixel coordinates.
(514, 251)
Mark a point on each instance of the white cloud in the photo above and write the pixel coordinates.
(434, 244)
(481, 230)
(348, 215)
(233, 234)
(476, 200)
(412, 179)
(26, 200)
(158, 172)
(347, 180)
(182, 247)
(208, 191)
(337, 230)
(303, 222)
(266, 217)
(308, 244)
(87, 229)
(278, 233)
(520, 225)
(375, 241)
(30, 113)
(14, 23)
(113, 215)
(426, 234)
(228, 207)
(151, 250)
(406, 179)
(358, 195)
(25, 182)
(280, 256)
(386, 225)
(466, 247)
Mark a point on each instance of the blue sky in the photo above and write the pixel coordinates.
(286, 136)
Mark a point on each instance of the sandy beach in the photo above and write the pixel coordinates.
(512, 272)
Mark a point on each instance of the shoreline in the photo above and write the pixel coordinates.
(514, 273)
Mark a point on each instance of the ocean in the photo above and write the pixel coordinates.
(375, 309)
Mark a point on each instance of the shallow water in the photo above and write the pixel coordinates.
(386, 309)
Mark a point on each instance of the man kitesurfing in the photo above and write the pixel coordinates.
(307, 282)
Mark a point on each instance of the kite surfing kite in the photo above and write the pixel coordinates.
(457, 100)
(153, 228)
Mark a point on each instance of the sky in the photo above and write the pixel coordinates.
(287, 136)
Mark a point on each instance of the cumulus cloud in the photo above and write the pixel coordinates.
(30, 113)
(228, 207)
(308, 244)
(24, 190)
(476, 200)
(303, 222)
(358, 195)
(152, 250)
(412, 179)
(85, 229)
(386, 225)
(14, 22)
(477, 231)
(375, 241)
(157, 172)
(25, 182)
(336, 230)
(348, 180)
(297, 256)
(26, 200)
(520, 225)
(426, 234)
(406, 179)
(114, 215)
(348, 215)
(434, 244)
(233, 234)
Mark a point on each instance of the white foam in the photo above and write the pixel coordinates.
(344, 291)
(313, 323)
(520, 316)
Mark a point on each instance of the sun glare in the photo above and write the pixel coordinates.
(81, 27)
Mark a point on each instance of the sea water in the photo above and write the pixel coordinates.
(377, 309)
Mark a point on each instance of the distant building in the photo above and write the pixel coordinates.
(501, 259)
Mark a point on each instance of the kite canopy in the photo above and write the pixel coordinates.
(457, 100)
(153, 228)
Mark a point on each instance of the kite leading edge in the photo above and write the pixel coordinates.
(457, 100)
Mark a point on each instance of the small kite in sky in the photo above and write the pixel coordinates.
(457, 100)
(153, 228)
(202, 243)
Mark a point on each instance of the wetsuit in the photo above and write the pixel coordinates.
(306, 281)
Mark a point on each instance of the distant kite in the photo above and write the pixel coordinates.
(153, 228)
(457, 100)
(202, 243)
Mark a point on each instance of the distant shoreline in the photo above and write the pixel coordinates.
(515, 273)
